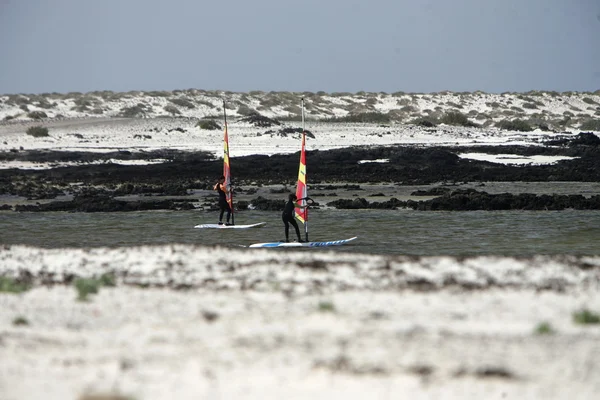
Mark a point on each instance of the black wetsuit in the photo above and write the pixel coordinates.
(288, 218)
(223, 204)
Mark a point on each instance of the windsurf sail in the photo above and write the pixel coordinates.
(226, 167)
(228, 183)
(301, 192)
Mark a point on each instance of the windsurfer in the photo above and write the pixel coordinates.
(223, 204)
(288, 216)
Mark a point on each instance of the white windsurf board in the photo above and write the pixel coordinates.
(304, 244)
(217, 226)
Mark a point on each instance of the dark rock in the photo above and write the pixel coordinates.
(349, 203)
(178, 129)
(101, 202)
(436, 191)
(467, 200)
(260, 203)
(470, 199)
(582, 139)
(585, 139)
(287, 131)
(186, 171)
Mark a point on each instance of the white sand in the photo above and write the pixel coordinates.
(515, 159)
(270, 325)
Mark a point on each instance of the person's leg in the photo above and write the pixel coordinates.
(228, 208)
(221, 213)
(287, 228)
(295, 225)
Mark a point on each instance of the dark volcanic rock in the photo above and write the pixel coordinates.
(175, 189)
(260, 203)
(391, 204)
(437, 191)
(105, 203)
(470, 200)
(463, 200)
(349, 203)
(49, 156)
(32, 190)
(586, 139)
(187, 171)
(359, 203)
(582, 139)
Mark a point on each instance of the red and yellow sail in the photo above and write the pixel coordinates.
(302, 214)
(226, 170)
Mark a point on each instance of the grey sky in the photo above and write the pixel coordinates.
(309, 45)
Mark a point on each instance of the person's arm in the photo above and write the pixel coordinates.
(300, 206)
(308, 200)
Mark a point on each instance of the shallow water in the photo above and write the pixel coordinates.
(405, 232)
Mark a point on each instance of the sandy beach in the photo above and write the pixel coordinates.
(190, 322)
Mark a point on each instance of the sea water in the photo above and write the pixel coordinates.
(401, 232)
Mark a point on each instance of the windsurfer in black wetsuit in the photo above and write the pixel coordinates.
(223, 204)
(288, 217)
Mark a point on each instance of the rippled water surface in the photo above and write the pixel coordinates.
(404, 232)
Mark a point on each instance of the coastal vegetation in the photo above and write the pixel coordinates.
(514, 125)
(363, 117)
(208, 124)
(37, 115)
(20, 321)
(544, 328)
(586, 317)
(591, 125)
(12, 285)
(37, 131)
(456, 118)
(183, 102)
(545, 110)
(87, 286)
(171, 109)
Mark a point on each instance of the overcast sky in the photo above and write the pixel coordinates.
(308, 45)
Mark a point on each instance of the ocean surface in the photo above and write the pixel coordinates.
(401, 232)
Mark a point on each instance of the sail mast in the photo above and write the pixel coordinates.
(226, 168)
(301, 192)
